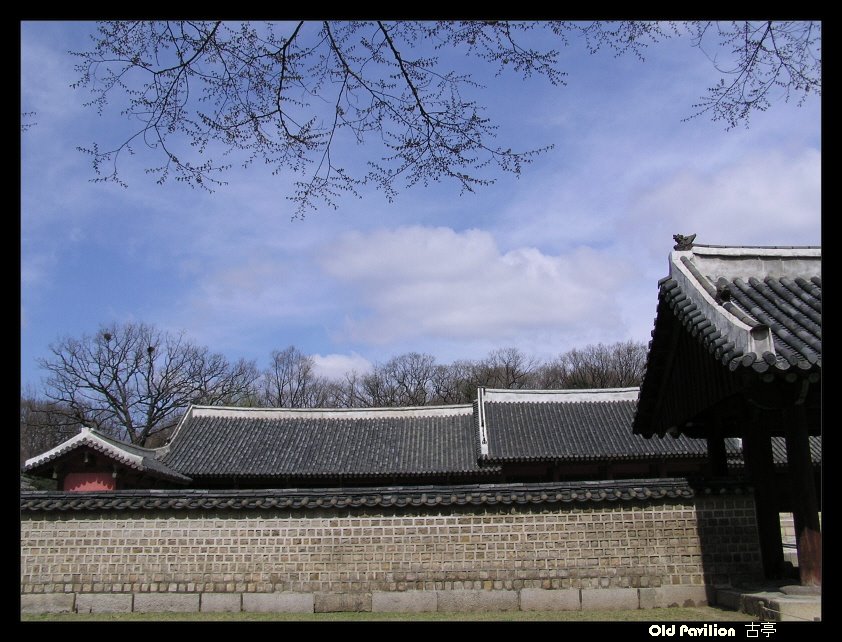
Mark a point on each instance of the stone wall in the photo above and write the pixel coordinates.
(582, 546)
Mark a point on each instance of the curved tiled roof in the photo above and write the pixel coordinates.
(129, 455)
(727, 319)
(573, 425)
(400, 443)
(401, 497)
(750, 307)
(272, 443)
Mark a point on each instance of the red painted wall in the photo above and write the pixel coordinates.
(77, 482)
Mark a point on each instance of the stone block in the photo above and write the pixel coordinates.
(342, 602)
(648, 598)
(755, 603)
(457, 601)
(532, 599)
(278, 602)
(104, 603)
(795, 610)
(47, 603)
(609, 599)
(221, 602)
(166, 602)
(729, 599)
(403, 602)
(667, 596)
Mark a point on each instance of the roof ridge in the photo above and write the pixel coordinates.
(759, 247)
(119, 443)
(560, 390)
(564, 396)
(348, 413)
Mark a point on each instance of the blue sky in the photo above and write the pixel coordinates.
(567, 254)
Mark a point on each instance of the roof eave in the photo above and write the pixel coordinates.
(88, 438)
(91, 439)
(746, 337)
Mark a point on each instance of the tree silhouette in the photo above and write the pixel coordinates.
(199, 93)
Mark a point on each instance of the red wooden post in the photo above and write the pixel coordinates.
(808, 534)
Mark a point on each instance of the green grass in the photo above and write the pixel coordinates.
(695, 614)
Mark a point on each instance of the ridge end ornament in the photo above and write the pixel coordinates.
(683, 242)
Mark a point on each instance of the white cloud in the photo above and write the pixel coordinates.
(35, 267)
(259, 291)
(434, 282)
(335, 366)
(568, 254)
(768, 199)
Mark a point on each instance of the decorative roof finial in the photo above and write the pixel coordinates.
(683, 242)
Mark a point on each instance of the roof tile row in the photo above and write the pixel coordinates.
(409, 496)
(243, 446)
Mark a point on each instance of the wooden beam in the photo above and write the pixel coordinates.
(805, 507)
(717, 457)
(757, 449)
(666, 366)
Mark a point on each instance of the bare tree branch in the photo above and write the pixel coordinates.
(134, 381)
(202, 90)
(762, 62)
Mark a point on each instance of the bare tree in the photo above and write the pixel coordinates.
(453, 383)
(405, 380)
(504, 368)
(290, 381)
(347, 392)
(135, 381)
(26, 121)
(550, 376)
(618, 365)
(43, 425)
(760, 62)
(285, 94)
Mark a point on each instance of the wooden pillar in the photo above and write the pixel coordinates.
(717, 457)
(805, 507)
(757, 449)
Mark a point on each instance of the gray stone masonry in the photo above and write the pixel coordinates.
(450, 601)
(550, 600)
(592, 546)
(221, 602)
(757, 602)
(278, 602)
(104, 603)
(406, 602)
(773, 603)
(47, 603)
(166, 602)
(609, 599)
(342, 602)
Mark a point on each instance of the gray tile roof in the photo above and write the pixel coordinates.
(757, 311)
(136, 457)
(403, 443)
(379, 497)
(792, 308)
(258, 443)
(573, 425)
(750, 307)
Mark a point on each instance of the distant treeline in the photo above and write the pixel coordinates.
(134, 381)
